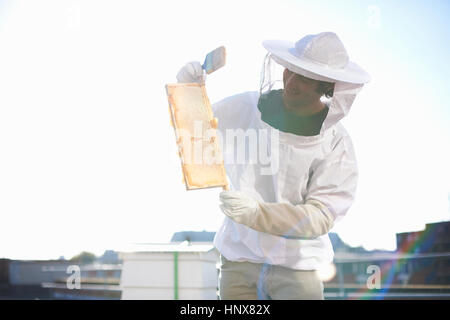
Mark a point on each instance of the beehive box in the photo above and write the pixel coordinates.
(156, 273)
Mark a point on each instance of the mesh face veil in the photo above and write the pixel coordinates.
(271, 78)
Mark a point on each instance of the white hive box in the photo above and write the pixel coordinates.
(150, 274)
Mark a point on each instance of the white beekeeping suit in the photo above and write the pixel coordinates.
(280, 211)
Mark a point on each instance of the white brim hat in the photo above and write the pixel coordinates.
(321, 56)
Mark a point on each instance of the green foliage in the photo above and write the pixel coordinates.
(84, 257)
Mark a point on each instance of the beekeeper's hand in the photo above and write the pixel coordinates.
(239, 207)
(192, 72)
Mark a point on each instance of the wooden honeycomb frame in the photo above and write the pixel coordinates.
(195, 130)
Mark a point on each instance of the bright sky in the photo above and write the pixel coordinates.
(88, 158)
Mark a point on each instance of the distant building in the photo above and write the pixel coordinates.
(435, 238)
(193, 236)
(431, 249)
(419, 268)
(109, 257)
(48, 279)
(23, 279)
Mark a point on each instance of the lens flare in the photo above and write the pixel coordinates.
(326, 272)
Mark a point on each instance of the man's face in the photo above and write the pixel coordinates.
(299, 90)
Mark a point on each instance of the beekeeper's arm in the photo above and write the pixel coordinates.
(331, 191)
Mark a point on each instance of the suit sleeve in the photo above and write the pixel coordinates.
(331, 190)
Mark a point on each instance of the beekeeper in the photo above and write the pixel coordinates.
(274, 237)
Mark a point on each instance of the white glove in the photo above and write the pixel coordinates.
(305, 221)
(239, 207)
(192, 72)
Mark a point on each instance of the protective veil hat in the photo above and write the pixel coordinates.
(319, 56)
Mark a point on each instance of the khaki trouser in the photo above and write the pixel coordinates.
(253, 281)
